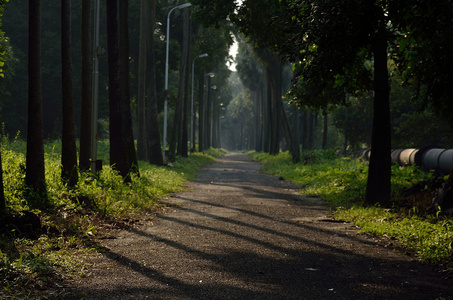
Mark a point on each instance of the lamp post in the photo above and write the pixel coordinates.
(192, 141)
(167, 94)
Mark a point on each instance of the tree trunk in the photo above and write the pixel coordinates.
(141, 95)
(290, 136)
(324, 131)
(216, 126)
(154, 148)
(201, 116)
(207, 116)
(254, 123)
(313, 126)
(259, 119)
(273, 128)
(182, 145)
(308, 129)
(273, 68)
(266, 118)
(69, 171)
(130, 159)
(35, 174)
(177, 130)
(183, 149)
(296, 126)
(85, 101)
(378, 184)
(117, 155)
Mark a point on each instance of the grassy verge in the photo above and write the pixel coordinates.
(341, 182)
(34, 262)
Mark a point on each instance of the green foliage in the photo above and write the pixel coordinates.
(30, 267)
(13, 162)
(217, 153)
(425, 48)
(354, 120)
(342, 181)
(2, 38)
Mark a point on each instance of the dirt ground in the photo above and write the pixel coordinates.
(241, 234)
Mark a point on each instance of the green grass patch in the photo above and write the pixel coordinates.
(215, 152)
(341, 182)
(429, 238)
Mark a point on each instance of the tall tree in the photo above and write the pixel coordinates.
(251, 74)
(201, 112)
(35, 174)
(141, 95)
(176, 139)
(85, 95)
(154, 150)
(335, 40)
(279, 122)
(69, 171)
(183, 143)
(131, 164)
(117, 155)
(122, 149)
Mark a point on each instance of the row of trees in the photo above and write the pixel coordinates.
(130, 97)
(342, 127)
(343, 48)
(338, 51)
(122, 149)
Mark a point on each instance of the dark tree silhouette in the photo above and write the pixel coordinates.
(130, 159)
(85, 101)
(69, 171)
(122, 150)
(35, 174)
(154, 149)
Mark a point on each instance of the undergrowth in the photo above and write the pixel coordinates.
(341, 182)
(35, 261)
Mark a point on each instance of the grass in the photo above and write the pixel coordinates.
(341, 182)
(34, 267)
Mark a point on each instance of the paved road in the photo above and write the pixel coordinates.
(241, 234)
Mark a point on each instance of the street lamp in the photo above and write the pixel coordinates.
(192, 141)
(167, 94)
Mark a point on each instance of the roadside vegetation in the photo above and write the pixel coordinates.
(341, 182)
(39, 249)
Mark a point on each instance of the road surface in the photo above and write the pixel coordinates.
(241, 234)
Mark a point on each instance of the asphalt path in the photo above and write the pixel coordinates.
(237, 233)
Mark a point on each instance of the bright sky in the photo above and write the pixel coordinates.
(234, 47)
(233, 52)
